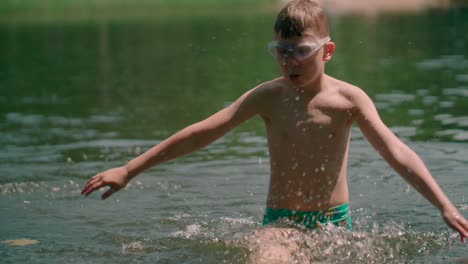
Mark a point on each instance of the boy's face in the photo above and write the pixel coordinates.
(302, 59)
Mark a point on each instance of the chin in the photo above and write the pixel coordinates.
(298, 82)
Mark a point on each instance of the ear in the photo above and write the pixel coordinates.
(328, 51)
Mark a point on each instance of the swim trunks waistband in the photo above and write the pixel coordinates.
(337, 215)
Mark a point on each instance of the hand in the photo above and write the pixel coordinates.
(457, 222)
(116, 179)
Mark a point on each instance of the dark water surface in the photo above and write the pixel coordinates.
(77, 98)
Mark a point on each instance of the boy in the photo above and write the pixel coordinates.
(308, 117)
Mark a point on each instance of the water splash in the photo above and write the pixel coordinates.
(22, 187)
(132, 247)
(390, 244)
(387, 243)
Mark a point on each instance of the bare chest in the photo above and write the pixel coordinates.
(310, 119)
(313, 117)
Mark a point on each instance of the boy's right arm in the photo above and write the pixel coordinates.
(183, 142)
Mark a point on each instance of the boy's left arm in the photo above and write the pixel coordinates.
(405, 161)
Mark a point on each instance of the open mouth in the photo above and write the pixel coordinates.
(293, 76)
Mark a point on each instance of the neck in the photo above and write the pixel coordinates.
(314, 86)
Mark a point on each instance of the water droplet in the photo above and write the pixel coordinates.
(137, 150)
(295, 165)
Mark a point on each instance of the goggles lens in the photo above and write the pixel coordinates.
(301, 51)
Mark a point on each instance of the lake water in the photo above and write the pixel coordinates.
(80, 97)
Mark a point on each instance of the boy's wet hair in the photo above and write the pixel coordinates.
(299, 16)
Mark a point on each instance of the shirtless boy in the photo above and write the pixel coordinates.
(308, 117)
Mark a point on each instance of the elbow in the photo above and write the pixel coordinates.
(196, 136)
(401, 153)
(402, 158)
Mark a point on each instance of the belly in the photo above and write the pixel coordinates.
(307, 191)
(308, 175)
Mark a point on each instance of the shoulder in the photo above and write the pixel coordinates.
(350, 91)
(264, 93)
(358, 100)
(259, 99)
(270, 88)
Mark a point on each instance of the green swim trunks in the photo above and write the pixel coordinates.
(338, 215)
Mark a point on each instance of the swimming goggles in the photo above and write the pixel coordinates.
(300, 51)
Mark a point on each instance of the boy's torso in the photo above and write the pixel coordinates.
(308, 140)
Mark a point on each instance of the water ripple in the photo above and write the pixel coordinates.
(448, 62)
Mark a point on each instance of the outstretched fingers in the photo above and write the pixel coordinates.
(460, 224)
(463, 229)
(92, 185)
